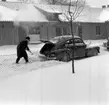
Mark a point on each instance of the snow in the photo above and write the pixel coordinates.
(104, 16)
(30, 13)
(17, 12)
(52, 82)
(5, 12)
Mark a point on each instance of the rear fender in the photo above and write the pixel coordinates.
(91, 48)
(90, 51)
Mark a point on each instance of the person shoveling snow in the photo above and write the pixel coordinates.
(21, 50)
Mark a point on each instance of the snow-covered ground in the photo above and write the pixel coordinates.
(52, 82)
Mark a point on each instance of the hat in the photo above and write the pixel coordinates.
(28, 38)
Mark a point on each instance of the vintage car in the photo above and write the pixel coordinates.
(62, 48)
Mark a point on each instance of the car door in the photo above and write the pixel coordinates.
(79, 47)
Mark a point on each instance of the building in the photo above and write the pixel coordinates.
(43, 22)
(25, 19)
(105, 17)
(88, 25)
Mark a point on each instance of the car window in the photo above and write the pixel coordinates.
(77, 41)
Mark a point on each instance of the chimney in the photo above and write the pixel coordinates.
(103, 6)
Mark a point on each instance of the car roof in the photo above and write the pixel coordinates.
(66, 36)
(62, 38)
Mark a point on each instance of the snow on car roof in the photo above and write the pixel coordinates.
(65, 36)
(61, 38)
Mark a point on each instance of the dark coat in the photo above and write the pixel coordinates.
(22, 47)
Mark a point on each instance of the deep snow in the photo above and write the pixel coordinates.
(52, 82)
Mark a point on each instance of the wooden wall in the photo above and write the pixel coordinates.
(8, 33)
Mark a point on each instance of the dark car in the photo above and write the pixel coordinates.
(62, 48)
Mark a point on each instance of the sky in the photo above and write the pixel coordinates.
(94, 3)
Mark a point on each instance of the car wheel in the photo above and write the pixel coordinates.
(95, 52)
(64, 56)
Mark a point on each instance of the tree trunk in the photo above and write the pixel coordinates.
(71, 27)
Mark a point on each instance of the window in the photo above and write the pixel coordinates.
(80, 31)
(34, 30)
(64, 31)
(58, 31)
(97, 30)
(77, 41)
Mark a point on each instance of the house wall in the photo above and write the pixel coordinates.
(60, 29)
(8, 33)
(106, 29)
(21, 34)
(88, 30)
(51, 32)
(43, 32)
(103, 33)
(47, 32)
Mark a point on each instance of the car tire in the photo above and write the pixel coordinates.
(95, 52)
(64, 56)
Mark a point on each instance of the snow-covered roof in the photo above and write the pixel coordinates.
(49, 8)
(7, 14)
(12, 5)
(91, 15)
(30, 13)
(17, 11)
(104, 16)
(88, 14)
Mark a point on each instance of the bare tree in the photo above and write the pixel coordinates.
(56, 2)
(72, 15)
(73, 11)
